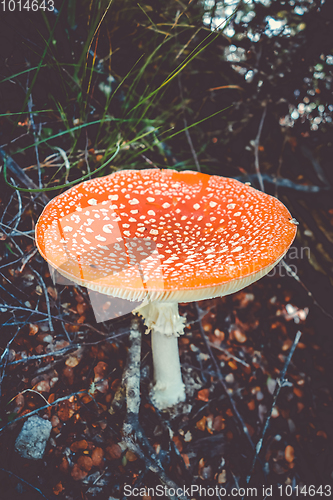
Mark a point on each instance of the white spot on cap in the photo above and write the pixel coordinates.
(231, 206)
(113, 197)
(237, 249)
(151, 212)
(166, 205)
(133, 202)
(150, 199)
(92, 201)
(212, 204)
(196, 206)
(107, 228)
(86, 241)
(100, 238)
(68, 229)
(237, 214)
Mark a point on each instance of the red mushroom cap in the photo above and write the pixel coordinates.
(181, 236)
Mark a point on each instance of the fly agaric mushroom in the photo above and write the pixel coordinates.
(160, 237)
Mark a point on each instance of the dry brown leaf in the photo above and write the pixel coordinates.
(52, 292)
(85, 463)
(65, 411)
(289, 453)
(203, 395)
(100, 370)
(178, 442)
(97, 456)
(72, 361)
(79, 445)
(131, 457)
(201, 424)
(218, 423)
(64, 466)
(68, 374)
(113, 452)
(77, 473)
(58, 488)
(33, 329)
(186, 460)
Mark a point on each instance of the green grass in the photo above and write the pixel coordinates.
(88, 49)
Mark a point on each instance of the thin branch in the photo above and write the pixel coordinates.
(256, 150)
(33, 412)
(221, 380)
(281, 382)
(47, 300)
(24, 481)
(22, 176)
(34, 131)
(134, 436)
(229, 354)
(297, 278)
(187, 133)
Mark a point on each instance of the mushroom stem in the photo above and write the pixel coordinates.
(162, 319)
(168, 388)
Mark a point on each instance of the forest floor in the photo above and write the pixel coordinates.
(262, 355)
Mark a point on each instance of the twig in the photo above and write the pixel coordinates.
(4, 357)
(47, 300)
(132, 373)
(26, 258)
(283, 183)
(17, 232)
(86, 156)
(34, 128)
(24, 481)
(188, 137)
(221, 380)
(22, 176)
(297, 278)
(256, 150)
(229, 354)
(66, 162)
(54, 403)
(133, 433)
(61, 352)
(281, 382)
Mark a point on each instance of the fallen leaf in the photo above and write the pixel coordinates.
(58, 488)
(201, 424)
(113, 452)
(97, 456)
(79, 445)
(100, 370)
(203, 395)
(289, 453)
(85, 463)
(178, 442)
(77, 473)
